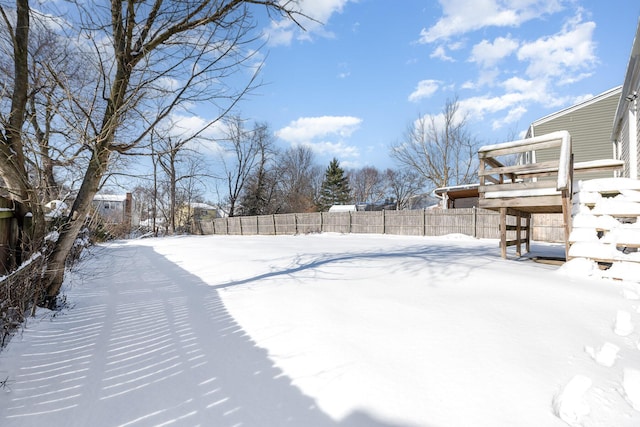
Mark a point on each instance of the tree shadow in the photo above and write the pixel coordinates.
(446, 260)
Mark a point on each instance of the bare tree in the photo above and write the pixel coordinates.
(13, 159)
(403, 184)
(439, 148)
(299, 180)
(367, 185)
(152, 58)
(240, 155)
(260, 189)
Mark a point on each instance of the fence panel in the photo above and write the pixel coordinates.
(548, 227)
(220, 226)
(439, 223)
(249, 225)
(367, 222)
(336, 222)
(405, 223)
(309, 222)
(487, 224)
(285, 224)
(266, 225)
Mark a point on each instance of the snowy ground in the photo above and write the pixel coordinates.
(326, 330)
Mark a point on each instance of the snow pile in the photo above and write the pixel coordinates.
(327, 330)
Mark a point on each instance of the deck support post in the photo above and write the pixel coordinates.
(503, 232)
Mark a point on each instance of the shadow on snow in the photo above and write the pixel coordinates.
(148, 343)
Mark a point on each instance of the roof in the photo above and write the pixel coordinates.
(110, 197)
(459, 191)
(342, 208)
(614, 91)
(198, 205)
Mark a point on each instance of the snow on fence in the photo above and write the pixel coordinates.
(474, 222)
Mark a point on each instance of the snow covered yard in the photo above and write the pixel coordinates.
(327, 330)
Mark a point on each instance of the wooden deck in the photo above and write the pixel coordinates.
(522, 189)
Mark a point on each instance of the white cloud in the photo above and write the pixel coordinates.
(513, 116)
(334, 149)
(572, 49)
(534, 74)
(325, 134)
(307, 128)
(478, 107)
(425, 89)
(280, 33)
(460, 16)
(284, 31)
(440, 53)
(488, 54)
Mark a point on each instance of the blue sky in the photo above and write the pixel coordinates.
(351, 87)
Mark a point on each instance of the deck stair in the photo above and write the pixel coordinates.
(606, 226)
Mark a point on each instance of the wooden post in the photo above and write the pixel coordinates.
(474, 221)
(518, 233)
(528, 224)
(503, 232)
(566, 216)
(384, 222)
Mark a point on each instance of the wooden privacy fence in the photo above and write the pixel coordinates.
(8, 235)
(473, 222)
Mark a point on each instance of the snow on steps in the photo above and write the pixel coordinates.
(606, 226)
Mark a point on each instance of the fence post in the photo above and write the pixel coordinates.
(424, 221)
(474, 221)
(384, 221)
(273, 218)
(295, 222)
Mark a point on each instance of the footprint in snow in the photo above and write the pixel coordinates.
(623, 325)
(569, 404)
(605, 355)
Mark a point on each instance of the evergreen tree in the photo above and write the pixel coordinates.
(335, 187)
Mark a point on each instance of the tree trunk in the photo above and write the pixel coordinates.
(54, 275)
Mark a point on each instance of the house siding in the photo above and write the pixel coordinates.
(590, 127)
(623, 143)
(623, 133)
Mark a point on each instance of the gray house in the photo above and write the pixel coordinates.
(116, 209)
(590, 124)
(625, 133)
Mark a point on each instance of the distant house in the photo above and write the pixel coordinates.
(116, 209)
(56, 209)
(590, 124)
(625, 124)
(198, 212)
(343, 208)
